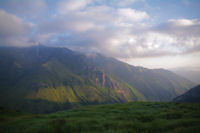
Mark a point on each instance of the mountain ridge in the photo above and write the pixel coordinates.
(53, 77)
(191, 96)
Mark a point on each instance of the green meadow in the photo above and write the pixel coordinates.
(139, 117)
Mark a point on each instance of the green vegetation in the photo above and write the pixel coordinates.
(146, 117)
(43, 79)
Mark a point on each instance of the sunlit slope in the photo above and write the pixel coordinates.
(42, 79)
(154, 84)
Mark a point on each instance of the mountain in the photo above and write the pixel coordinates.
(45, 79)
(192, 96)
(154, 84)
(193, 74)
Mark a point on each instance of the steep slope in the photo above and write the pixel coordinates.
(193, 96)
(154, 84)
(42, 79)
(45, 79)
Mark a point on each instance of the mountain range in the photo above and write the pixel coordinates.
(43, 79)
(191, 96)
(191, 74)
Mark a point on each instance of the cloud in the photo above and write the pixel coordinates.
(65, 24)
(184, 32)
(118, 31)
(180, 27)
(129, 14)
(13, 30)
(118, 3)
(67, 6)
(175, 37)
(128, 2)
(91, 20)
(25, 8)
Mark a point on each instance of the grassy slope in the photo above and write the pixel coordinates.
(154, 84)
(129, 117)
(29, 77)
(44, 79)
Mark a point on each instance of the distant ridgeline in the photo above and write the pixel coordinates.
(191, 96)
(43, 79)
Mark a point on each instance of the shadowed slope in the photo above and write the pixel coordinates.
(193, 96)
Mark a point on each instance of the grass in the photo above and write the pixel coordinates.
(139, 117)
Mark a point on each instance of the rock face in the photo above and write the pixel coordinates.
(43, 79)
(192, 96)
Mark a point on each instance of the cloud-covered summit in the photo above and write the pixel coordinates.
(122, 29)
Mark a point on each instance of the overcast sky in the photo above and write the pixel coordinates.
(149, 33)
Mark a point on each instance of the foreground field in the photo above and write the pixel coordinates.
(130, 117)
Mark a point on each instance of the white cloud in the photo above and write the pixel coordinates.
(118, 32)
(65, 24)
(181, 27)
(189, 61)
(127, 42)
(118, 3)
(123, 32)
(81, 26)
(66, 6)
(128, 2)
(100, 14)
(13, 30)
(185, 32)
(128, 14)
(181, 22)
(92, 19)
(110, 27)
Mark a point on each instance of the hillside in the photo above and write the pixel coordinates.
(45, 79)
(135, 117)
(192, 96)
(154, 84)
